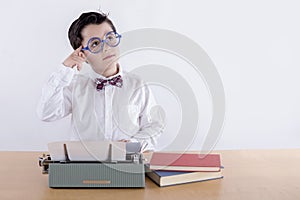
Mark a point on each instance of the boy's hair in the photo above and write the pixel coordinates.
(85, 19)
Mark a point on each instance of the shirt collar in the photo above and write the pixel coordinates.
(95, 75)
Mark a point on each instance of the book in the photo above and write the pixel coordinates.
(168, 178)
(185, 162)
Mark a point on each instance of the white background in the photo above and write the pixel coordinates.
(254, 44)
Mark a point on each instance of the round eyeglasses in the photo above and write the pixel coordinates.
(95, 44)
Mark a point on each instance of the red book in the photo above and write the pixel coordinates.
(185, 162)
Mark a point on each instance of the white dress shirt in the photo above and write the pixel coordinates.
(114, 113)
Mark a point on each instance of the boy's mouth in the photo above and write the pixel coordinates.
(107, 57)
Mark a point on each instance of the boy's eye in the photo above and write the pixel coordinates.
(111, 36)
(95, 43)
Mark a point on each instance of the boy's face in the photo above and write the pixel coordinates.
(106, 60)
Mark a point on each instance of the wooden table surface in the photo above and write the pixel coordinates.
(248, 174)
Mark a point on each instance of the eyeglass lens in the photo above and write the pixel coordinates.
(111, 39)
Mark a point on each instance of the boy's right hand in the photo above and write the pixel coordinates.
(75, 59)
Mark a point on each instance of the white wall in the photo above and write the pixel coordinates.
(254, 44)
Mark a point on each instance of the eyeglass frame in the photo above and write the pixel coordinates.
(102, 42)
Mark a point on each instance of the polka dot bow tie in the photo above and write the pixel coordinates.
(101, 83)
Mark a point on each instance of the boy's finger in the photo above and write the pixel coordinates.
(78, 49)
(79, 59)
(79, 66)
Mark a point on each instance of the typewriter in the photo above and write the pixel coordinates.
(94, 164)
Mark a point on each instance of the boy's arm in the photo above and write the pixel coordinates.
(56, 100)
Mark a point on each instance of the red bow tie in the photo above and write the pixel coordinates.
(101, 83)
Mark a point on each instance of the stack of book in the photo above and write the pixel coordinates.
(167, 169)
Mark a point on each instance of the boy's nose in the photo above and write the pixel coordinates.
(105, 47)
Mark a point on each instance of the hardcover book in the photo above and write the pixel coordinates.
(168, 178)
(185, 162)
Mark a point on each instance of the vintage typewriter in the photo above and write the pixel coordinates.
(94, 164)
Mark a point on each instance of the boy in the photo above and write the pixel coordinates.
(109, 104)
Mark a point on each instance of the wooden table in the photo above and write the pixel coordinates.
(248, 174)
